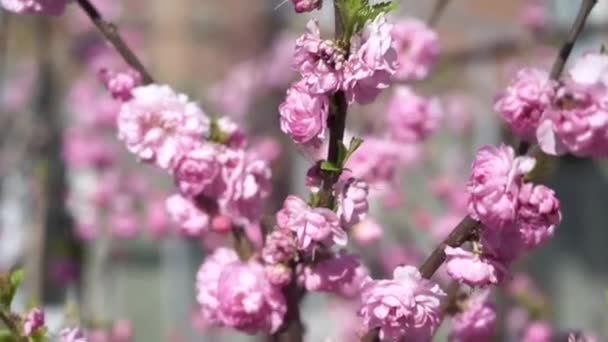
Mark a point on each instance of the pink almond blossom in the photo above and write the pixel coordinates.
(410, 117)
(330, 275)
(538, 213)
(157, 124)
(311, 225)
(406, 306)
(473, 269)
(306, 5)
(247, 300)
(196, 169)
(477, 322)
(352, 202)
(190, 219)
(496, 176)
(372, 62)
(34, 320)
(525, 100)
(303, 115)
(417, 47)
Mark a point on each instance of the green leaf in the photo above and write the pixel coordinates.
(355, 13)
(326, 165)
(16, 278)
(6, 335)
(355, 143)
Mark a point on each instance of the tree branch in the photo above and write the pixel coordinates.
(110, 33)
(438, 10)
(8, 322)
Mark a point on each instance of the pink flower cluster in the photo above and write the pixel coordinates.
(325, 70)
(237, 294)
(417, 48)
(571, 117)
(514, 215)
(34, 320)
(312, 226)
(216, 179)
(50, 7)
(411, 118)
(405, 307)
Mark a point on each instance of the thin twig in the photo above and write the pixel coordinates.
(8, 322)
(110, 33)
(438, 10)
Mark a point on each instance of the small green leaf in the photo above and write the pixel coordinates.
(313, 199)
(326, 165)
(342, 153)
(355, 143)
(16, 278)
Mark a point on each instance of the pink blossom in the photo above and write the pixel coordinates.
(477, 323)
(306, 5)
(376, 161)
(50, 7)
(372, 62)
(266, 148)
(501, 245)
(538, 213)
(406, 306)
(410, 117)
(280, 247)
(534, 16)
(417, 47)
(208, 282)
(496, 177)
(120, 83)
(247, 301)
(72, 335)
(473, 269)
(247, 181)
(304, 115)
(233, 135)
(352, 202)
(367, 231)
(331, 274)
(314, 178)
(34, 320)
(581, 337)
(540, 331)
(525, 100)
(590, 70)
(196, 169)
(278, 274)
(156, 124)
(191, 220)
(319, 62)
(311, 225)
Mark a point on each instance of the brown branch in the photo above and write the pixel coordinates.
(8, 322)
(438, 10)
(110, 33)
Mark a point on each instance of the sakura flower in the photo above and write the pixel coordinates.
(412, 118)
(473, 269)
(280, 247)
(406, 306)
(496, 177)
(306, 5)
(208, 282)
(156, 124)
(372, 62)
(247, 301)
(477, 323)
(303, 115)
(49, 7)
(311, 225)
(196, 169)
(525, 100)
(417, 47)
(352, 202)
(34, 320)
(120, 83)
(191, 220)
(538, 213)
(319, 62)
(331, 274)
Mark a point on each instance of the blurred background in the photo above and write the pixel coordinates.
(87, 222)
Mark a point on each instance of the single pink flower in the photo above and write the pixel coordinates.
(306, 5)
(196, 169)
(34, 320)
(311, 225)
(157, 124)
(303, 115)
(417, 47)
(477, 322)
(330, 275)
(538, 213)
(496, 176)
(525, 100)
(247, 300)
(473, 269)
(280, 247)
(372, 62)
(120, 83)
(352, 202)
(406, 306)
(410, 117)
(190, 219)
